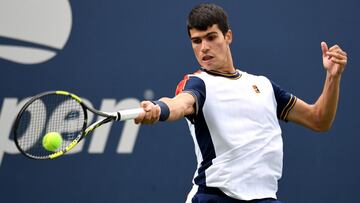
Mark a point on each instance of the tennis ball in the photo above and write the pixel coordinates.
(52, 141)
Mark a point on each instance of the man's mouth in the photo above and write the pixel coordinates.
(207, 58)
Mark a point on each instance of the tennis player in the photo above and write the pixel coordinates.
(234, 116)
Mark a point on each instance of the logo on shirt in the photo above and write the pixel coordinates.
(180, 87)
(256, 89)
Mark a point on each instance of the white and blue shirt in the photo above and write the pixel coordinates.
(236, 132)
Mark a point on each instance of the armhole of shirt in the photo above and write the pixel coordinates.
(195, 87)
(285, 101)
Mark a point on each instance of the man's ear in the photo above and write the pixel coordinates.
(228, 36)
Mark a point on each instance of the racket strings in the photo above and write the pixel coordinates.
(49, 113)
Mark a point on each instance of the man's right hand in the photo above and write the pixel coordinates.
(150, 115)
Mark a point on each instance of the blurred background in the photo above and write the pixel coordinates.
(112, 52)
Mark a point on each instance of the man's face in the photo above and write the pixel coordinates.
(211, 48)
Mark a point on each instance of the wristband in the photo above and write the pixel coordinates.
(164, 110)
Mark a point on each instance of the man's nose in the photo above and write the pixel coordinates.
(204, 46)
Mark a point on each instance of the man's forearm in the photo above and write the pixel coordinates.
(326, 105)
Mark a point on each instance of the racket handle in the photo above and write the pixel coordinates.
(128, 114)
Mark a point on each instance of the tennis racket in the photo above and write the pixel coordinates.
(61, 112)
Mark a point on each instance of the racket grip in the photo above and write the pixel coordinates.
(128, 114)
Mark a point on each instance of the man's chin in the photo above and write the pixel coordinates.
(207, 66)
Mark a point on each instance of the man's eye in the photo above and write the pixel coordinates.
(196, 41)
(211, 37)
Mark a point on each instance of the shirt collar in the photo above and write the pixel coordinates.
(234, 75)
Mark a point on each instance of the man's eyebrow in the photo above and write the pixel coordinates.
(208, 34)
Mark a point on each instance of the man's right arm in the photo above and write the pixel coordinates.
(179, 106)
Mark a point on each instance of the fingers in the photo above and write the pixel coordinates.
(337, 49)
(339, 61)
(150, 115)
(324, 48)
(140, 117)
(336, 54)
(334, 59)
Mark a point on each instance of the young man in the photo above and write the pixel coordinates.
(233, 115)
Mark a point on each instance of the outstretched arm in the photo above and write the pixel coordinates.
(179, 106)
(320, 115)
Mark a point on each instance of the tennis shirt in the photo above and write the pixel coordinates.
(236, 132)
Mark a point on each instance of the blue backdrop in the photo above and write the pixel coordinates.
(113, 52)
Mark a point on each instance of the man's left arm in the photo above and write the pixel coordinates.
(320, 115)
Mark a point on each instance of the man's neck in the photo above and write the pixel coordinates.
(226, 70)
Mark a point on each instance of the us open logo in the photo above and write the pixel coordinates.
(33, 31)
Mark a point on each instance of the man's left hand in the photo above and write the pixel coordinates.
(334, 59)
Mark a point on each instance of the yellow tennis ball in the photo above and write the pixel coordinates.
(52, 141)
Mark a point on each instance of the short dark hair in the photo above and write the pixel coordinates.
(206, 15)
